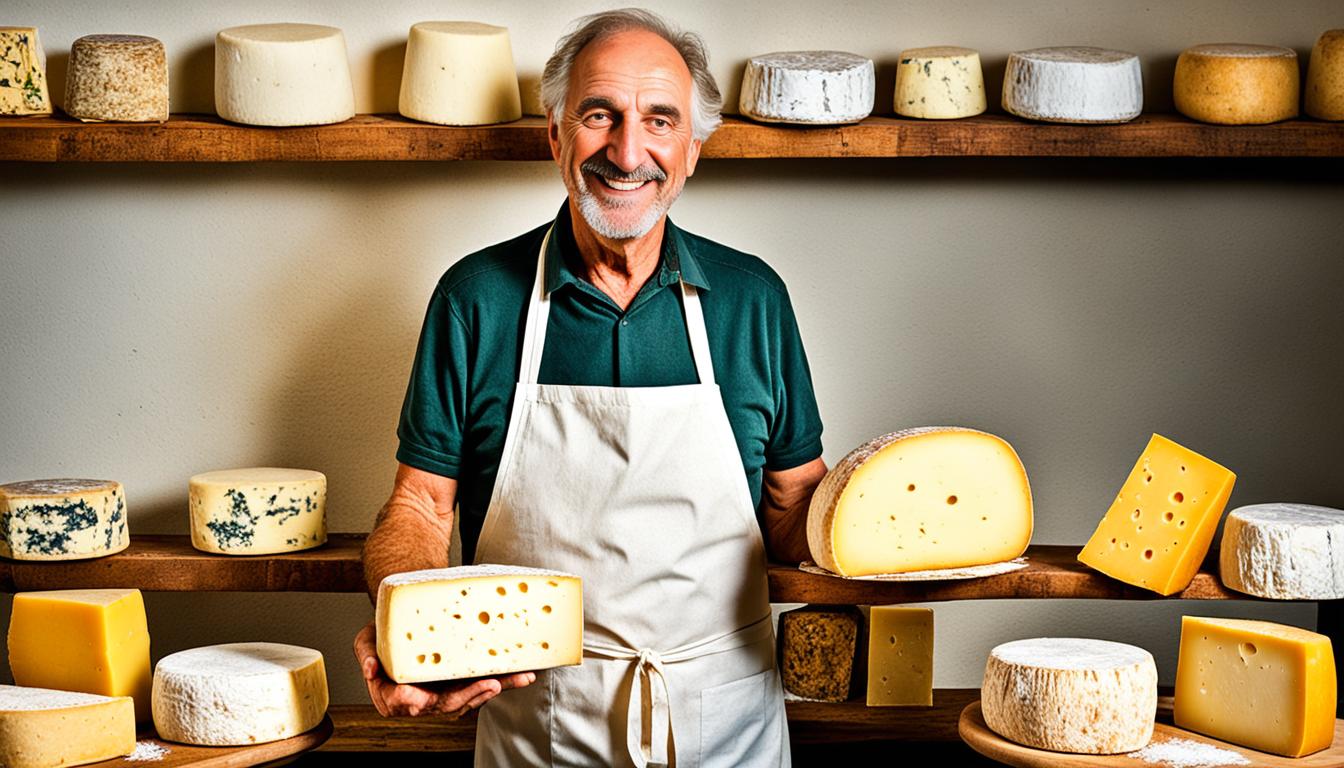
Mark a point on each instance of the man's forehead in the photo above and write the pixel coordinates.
(631, 58)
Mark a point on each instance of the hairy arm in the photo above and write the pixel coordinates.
(785, 497)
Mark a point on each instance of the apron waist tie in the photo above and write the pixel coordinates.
(649, 666)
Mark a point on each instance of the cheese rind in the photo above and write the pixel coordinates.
(258, 511)
(459, 73)
(939, 83)
(117, 77)
(1071, 695)
(1076, 84)
(62, 519)
(283, 74)
(40, 728)
(900, 656)
(808, 87)
(470, 621)
(919, 499)
(817, 646)
(1159, 528)
(90, 640)
(239, 693)
(23, 75)
(1323, 97)
(1236, 84)
(1284, 551)
(1263, 685)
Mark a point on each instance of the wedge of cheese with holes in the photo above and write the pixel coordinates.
(62, 519)
(469, 621)
(1284, 551)
(258, 510)
(1160, 526)
(459, 73)
(1263, 685)
(40, 728)
(921, 499)
(87, 640)
(23, 73)
(1236, 84)
(1323, 96)
(900, 656)
(283, 74)
(939, 83)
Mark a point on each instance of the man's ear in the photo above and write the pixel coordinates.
(692, 157)
(553, 135)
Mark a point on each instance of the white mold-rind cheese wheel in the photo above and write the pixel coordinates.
(40, 727)
(283, 74)
(117, 78)
(459, 73)
(1071, 695)
(62, 519)
(1284, 551)
(1075, 84)
(1236, 83)
(239, 693)
(939, 83)
(258, 511)
(808, 88)
(1323, 97)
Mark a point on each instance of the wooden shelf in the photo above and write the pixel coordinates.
(206, 138)
(170, 564)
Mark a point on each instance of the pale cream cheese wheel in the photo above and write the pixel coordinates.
(1324, 96)
(1236, 83)
(459, 73)
(939, 83)
(283, 74)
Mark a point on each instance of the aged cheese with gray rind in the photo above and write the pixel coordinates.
(283, 74)
(117, 78)
(1075, 84)
(258, 511)
(1284, 551)
(808, 87)
(23, 73)
(62, 519)
(939, 83)
(1071, 694)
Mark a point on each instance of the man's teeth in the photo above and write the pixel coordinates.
(624, 186)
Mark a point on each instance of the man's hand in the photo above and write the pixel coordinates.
(455, 698)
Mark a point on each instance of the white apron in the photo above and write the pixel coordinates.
(641, 492)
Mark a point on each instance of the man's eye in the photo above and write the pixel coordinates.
(596, 118)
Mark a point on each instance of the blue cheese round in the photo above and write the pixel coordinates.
(258, 511)
(62, 519)
(808, 88)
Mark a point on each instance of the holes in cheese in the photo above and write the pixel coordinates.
(519, 619)
(900, 656)
(918, 499)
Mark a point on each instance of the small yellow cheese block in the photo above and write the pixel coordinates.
(1324, 95)
(1236, 84)
(1160, 525)
(88, 640)
(900, 656)
(40, 728)
(1263, 685)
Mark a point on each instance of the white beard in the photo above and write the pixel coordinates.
(597, 214)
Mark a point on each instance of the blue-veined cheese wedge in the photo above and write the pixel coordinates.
(258, 511)
(63, 519)
(23, 77)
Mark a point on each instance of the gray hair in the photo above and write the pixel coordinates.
(706, 103)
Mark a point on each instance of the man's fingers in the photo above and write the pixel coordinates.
(518, 680)
(366, 651)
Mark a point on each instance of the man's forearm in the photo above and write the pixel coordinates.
(786, 496)
(413, 530)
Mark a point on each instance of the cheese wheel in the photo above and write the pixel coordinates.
(283, 74)
(1324, 95)
(23, 73)
(808, 87)
(1284, 551)
(921, 499)
(117, 77)
(1236, 84)
(40, 728)
(258, 511)
(1075, 84)
(939, 83)
(239, 694)
(459, 73)
(65, 519)
(1071, 695)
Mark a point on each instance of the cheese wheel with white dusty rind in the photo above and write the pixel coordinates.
(808, 88)
(1236, 84)
(939, 83)
(62, 519)
(40, 727)
(1284, 552)
(1323, 97)
(1071, 695)
(1076, 84)
(117, 78)
(921, 499)
(258, 511)
(283, 74)
(459, 73)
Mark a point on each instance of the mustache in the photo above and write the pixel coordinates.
(599, 165)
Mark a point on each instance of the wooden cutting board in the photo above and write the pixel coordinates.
(979, 737)
(225, 757)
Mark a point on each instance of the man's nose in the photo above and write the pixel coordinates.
(625, 145)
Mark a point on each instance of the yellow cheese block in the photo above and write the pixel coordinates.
(1256, 683)
(1158, 529)
(88, 640)
(900, 656)
(1324, 94)
(921, 499)
(1236, 84)
(40, 728)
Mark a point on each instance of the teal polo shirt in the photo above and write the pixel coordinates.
(458, 402)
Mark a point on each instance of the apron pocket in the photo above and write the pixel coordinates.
(738, 723)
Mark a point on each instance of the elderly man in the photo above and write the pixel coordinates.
(615, 397)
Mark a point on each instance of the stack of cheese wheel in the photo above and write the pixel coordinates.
(1236, 84)
(117, 77)
(459, 73)
(939, 83)
(283, 74)
(808, 88)
(1324, 97)
(1073, 85)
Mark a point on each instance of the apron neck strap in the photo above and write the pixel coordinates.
(539, 309)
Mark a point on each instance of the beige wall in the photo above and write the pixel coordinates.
(157, 321)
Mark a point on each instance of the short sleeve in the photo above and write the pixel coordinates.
(795, 433)
(433, 415)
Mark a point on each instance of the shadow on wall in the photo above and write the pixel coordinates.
(383, 89)
(191, 79)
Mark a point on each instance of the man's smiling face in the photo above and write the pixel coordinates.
(624, 143)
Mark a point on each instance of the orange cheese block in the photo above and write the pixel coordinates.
(1161, 524)
(1236, 84)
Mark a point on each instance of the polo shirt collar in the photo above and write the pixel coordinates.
(677, 260)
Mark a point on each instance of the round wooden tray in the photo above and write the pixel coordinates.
(979, 737)
(226, 757)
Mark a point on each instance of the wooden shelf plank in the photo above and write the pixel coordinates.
(206, 138)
